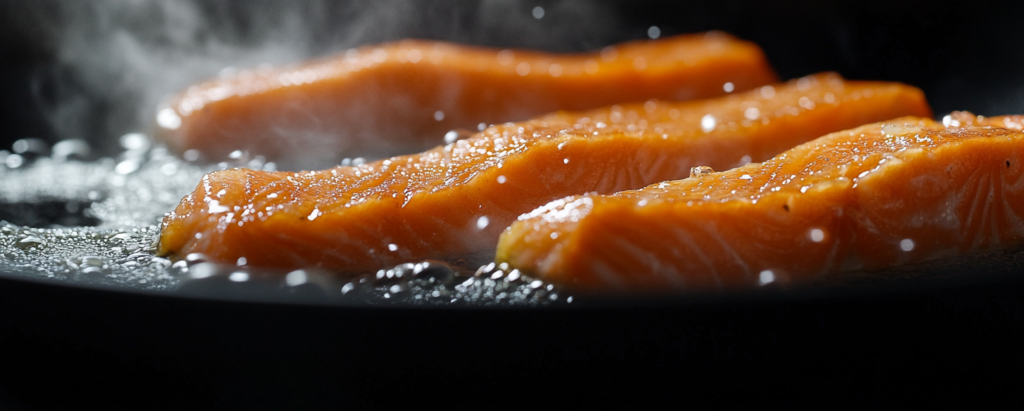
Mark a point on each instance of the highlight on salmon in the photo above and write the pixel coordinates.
(400, 98)
(457, 199)
(883, 194)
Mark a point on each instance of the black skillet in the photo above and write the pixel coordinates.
(950, 337)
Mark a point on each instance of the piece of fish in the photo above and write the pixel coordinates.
(458, 198)
(400, 98)
(876, 196)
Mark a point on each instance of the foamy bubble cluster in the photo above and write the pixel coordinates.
(64, 218)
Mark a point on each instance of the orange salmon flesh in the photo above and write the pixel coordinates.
(400, 98)
(879, 195)
(457, 199)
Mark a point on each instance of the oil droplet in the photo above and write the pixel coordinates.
(296, 278)
(752, 113)
(639, 63)
(768, 92)
(654, 32)
(728, 87)
(239, 277)
(948, 121)
(555, 70)
(414, 56)
(392, 247)
(817, 235)
(481, 126)
(501, 179)
(700, 171)
(438, 115)
(523, 68)
(202, 270)
(907, 244)
(215, 207)
(565, 161)
(168, 119)
(451, 136)
(482, 222)
(30, 241)
(134, 141)
(241, 261)
(538, 12)
(195, 257)
(766, 277)
(806, 103)
(609, 53)
(505, 57)
(127, 166)
(707, 123)
(169, 169)
(14, 161)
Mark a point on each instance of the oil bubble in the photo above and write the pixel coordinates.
(817, 235)
(907, 244)
(699, 171)
(654, 32)
(239, 276)
(708, 123)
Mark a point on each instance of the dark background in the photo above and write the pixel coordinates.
(67, 71)
(96, 69)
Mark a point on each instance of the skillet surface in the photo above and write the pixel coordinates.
(942, 339)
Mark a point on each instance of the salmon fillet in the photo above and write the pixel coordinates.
(880, 195)
(968, 119)
(402, 98)
(457, 199)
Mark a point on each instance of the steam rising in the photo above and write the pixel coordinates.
(115, 61)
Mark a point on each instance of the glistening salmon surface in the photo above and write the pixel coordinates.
(67, 219)
(880, 195)
(456, 199)
(383, 100)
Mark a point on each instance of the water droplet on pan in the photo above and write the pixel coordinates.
(654, 32)
(708, 123)
(538, 12)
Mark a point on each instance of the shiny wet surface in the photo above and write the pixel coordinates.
(94, 222)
